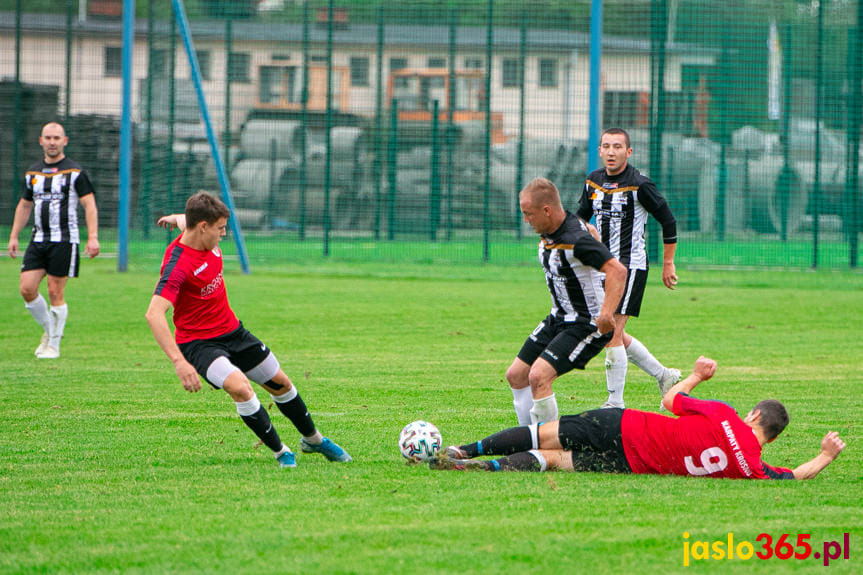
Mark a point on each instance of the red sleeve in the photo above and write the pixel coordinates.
(685, 405)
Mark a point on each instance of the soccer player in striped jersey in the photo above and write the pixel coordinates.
(209, 339)
(581, 320)
(706, 439)
(52, 190)
(620, 198)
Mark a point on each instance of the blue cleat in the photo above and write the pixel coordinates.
(327, 448)
(287, 459)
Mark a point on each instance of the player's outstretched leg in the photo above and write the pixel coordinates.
(665, 377)
(294, 408)
(532, 460)
(38, 308)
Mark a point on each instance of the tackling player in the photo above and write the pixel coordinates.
(209, 339)
(708, 439)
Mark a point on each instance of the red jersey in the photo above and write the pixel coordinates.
(192, 281)
(708, 438)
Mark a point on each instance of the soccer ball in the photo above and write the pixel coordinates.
(420, 441)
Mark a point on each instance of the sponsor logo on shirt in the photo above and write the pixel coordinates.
(211, 287)
(200, 269)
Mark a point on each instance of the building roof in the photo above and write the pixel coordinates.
(435, 36)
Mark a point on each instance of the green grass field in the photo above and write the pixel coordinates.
(108, 466)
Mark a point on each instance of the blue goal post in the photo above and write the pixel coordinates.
(186, 35)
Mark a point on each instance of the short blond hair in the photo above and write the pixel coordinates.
(542, 192)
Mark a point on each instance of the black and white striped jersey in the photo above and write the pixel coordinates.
(620, 204)
(571, 259)
(54, 190)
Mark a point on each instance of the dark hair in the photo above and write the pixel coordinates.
(202, 207)
(542, 192)
(615, 132)
(774, 417)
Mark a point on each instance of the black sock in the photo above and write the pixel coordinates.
(524, 461)
(260, 423)
(504, 442)
(296, 411)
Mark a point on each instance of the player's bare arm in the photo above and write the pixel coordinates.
(831, 447)
(159, 306)
(22, 216)
(172, 221)
(702, 371)
(91, 214)
(593, 231)
(669, 272)
(615, 278)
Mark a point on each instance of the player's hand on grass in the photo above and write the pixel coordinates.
(704, 368)
(669, 275)
(188, 376)
(832, 445)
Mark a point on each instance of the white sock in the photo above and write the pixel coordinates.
(615, 373)
(38, 308)
(58, 324)
(640, 356)
(522, 400)
(544, 409)
(249, 407)
(284, 449)
(543, 464)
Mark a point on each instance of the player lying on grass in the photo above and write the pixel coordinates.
(707, 439)
(209, 339)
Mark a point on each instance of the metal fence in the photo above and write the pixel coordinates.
(361, 130)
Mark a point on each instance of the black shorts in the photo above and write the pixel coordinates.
(59, 259)
(633, 293)
(566, 346)
(595, 441)
(240, 347)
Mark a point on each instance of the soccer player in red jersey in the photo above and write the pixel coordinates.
(211, 342)
(707, 438)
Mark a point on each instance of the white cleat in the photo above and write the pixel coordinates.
(665, 382)
(42, 344)
(49, 353)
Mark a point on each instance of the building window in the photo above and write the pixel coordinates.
(473, 64)
(511, 73)
(239, 64)
(113, 61)
(398, 64)
(359, 71)
(548, 73)
(203, 63)
(436, 63)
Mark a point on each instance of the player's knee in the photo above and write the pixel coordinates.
(29, 293)
(540, 380)
(516, 377)
(238, 388)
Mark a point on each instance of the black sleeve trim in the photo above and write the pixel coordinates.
(774, 474)
(585, 208)
(657, 207)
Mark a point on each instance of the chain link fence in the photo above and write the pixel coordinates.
(364, 131)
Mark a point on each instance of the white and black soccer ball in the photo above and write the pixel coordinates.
(420, 441)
